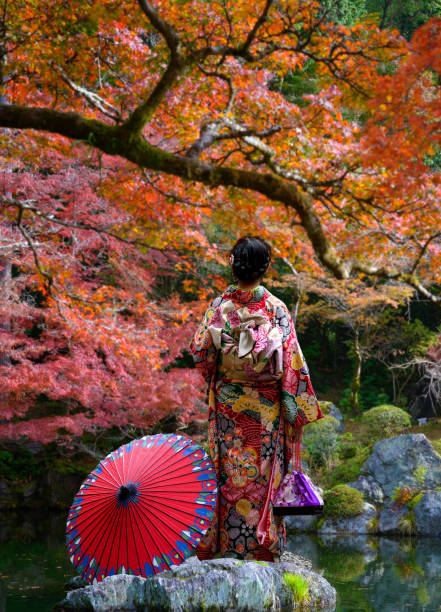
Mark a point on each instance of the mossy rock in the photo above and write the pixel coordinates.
(322, 424)
(325, 406)
(343, 500)
(385, 421)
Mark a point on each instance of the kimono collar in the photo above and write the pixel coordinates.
(244, 295)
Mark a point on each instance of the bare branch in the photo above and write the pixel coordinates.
(423, 250)
(94, 99)
(31, 206)
(211, 132)
(31, 244)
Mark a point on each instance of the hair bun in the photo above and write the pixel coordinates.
(250, 258)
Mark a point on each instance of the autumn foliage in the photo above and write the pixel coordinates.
(140, 139)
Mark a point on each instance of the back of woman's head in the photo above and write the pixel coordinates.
(250, 258)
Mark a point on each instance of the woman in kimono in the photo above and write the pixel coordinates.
(260, 397)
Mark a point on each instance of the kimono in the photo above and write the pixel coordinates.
(258, 391)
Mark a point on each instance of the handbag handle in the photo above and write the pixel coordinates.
(296, 460)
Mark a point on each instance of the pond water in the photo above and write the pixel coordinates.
(369, 573)
(377, 573)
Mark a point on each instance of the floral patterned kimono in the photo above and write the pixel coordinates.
(259, 389)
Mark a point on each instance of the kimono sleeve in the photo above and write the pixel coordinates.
(202, 347)
(299, 403)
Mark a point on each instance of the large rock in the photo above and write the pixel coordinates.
(60, 489)
(361, 523)
(332, 410)
(372, 492)
(216, 585)
(390, 517)
(428, 514)
(393, 463)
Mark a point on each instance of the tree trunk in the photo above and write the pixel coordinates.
(357, 374)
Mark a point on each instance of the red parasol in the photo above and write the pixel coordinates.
(143, 509)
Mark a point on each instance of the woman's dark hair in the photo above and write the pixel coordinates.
(251, 258)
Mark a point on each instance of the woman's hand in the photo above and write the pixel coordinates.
(297, 435)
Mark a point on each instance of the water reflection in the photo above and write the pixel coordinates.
(34, 564)
(369, 573)
(377, 573)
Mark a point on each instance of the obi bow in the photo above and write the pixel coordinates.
(247, 336)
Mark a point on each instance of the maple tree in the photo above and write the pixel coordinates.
(360, 309)
(137, 133)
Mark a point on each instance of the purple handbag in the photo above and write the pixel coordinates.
(296, 493)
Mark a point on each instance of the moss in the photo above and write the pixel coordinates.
(347, 470)
(437, 446)
(373, 525)
(385, 421)
(298, 586)
(343, 500)
(325, 406)
(323, 423)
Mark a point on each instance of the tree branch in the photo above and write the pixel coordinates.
(94, 99)
(177, 63)
(117, 140)
(168, 32)
(260, 21)
(31, 244)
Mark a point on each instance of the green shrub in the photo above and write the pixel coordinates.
(385, 421)
(343, 500)
(321, 440)
(347, 446)
(348, 470)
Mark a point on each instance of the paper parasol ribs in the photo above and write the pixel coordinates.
(143, 509)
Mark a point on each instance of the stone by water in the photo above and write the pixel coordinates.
(369, 573)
